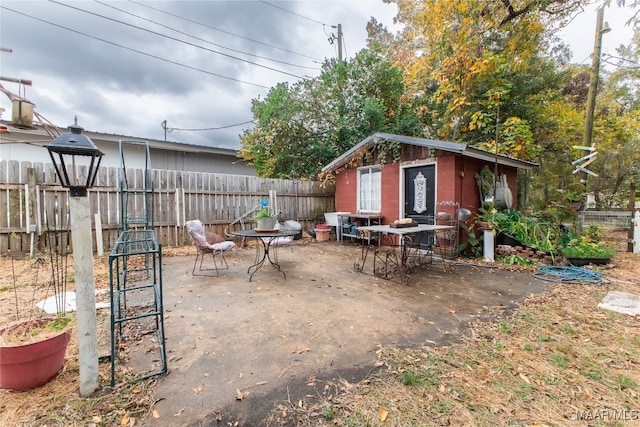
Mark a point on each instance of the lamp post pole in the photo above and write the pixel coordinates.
(75, 147)
(85, 294)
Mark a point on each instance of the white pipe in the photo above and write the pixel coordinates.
(489, 245)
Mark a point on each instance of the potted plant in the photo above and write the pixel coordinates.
(264, 219)
(32, 350)
(575, 195)
(486, 219)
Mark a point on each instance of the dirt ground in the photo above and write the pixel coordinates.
(236, 346)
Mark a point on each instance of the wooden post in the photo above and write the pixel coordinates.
(634, 224)
(99, 239)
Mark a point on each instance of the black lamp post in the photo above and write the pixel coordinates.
(74, 150)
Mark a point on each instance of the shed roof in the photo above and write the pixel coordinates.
(452, 147)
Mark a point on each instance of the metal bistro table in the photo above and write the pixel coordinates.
(266, 238)
(396, 253)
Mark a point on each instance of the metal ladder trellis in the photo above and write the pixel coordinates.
(135, 267)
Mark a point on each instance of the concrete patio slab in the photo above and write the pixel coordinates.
(235, 347)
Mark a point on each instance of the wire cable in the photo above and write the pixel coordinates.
(294, 13)
(168, 129)
(226, 32)
(134, 50)
(569, 275)
(201, 39)
(175, 39)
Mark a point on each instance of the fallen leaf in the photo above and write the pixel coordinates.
(383, 415)
(125, 419)
(241, 395)
(524, 378)
(136, 390)
(156, 414)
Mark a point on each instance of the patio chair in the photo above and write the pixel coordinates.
(274, 243)
(217, 250)
(445, 242)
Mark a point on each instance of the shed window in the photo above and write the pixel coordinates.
(369, 189)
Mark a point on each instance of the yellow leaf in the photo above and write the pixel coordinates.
(125, 419)
(156, 414)
(383, 415)
(136, 390)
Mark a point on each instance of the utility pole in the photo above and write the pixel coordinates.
(340, 43)
(339, 39)
(593, 81)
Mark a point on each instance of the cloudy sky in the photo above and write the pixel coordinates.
(125, 67)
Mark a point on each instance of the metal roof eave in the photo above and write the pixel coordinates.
(453, 147)
(35, 135)
(476, 153)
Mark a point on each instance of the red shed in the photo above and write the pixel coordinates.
(429, 174)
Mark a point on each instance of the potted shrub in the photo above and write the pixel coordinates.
(32, 351)
(575, 194)
(264, 219)
(486, 218)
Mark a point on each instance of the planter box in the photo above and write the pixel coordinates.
(505, 239)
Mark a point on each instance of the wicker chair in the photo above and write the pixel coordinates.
(217, 250)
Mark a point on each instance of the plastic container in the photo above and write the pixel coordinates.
(322, 235)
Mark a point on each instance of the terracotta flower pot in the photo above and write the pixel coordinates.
(23, 367)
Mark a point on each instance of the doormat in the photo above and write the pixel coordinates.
(621, 303)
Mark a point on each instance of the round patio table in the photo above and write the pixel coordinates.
(267, 239)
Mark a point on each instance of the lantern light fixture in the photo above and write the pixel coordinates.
(75, 150)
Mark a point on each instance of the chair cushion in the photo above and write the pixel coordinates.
(280, 241)
(224, 246)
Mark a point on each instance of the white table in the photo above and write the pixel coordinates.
(396, 253)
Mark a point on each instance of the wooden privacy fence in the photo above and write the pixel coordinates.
(33, 205)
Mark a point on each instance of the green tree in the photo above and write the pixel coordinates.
(301, 128)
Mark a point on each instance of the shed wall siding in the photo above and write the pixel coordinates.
(390, 192)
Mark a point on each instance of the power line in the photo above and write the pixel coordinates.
(168, 129)
(176, 39)
(294, 13)
(331, 38)
(201, 39)
(226, 32)
(133, 50)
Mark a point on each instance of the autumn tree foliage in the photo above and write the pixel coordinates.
(489, 73)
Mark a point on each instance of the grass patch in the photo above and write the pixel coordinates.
(557, 352)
